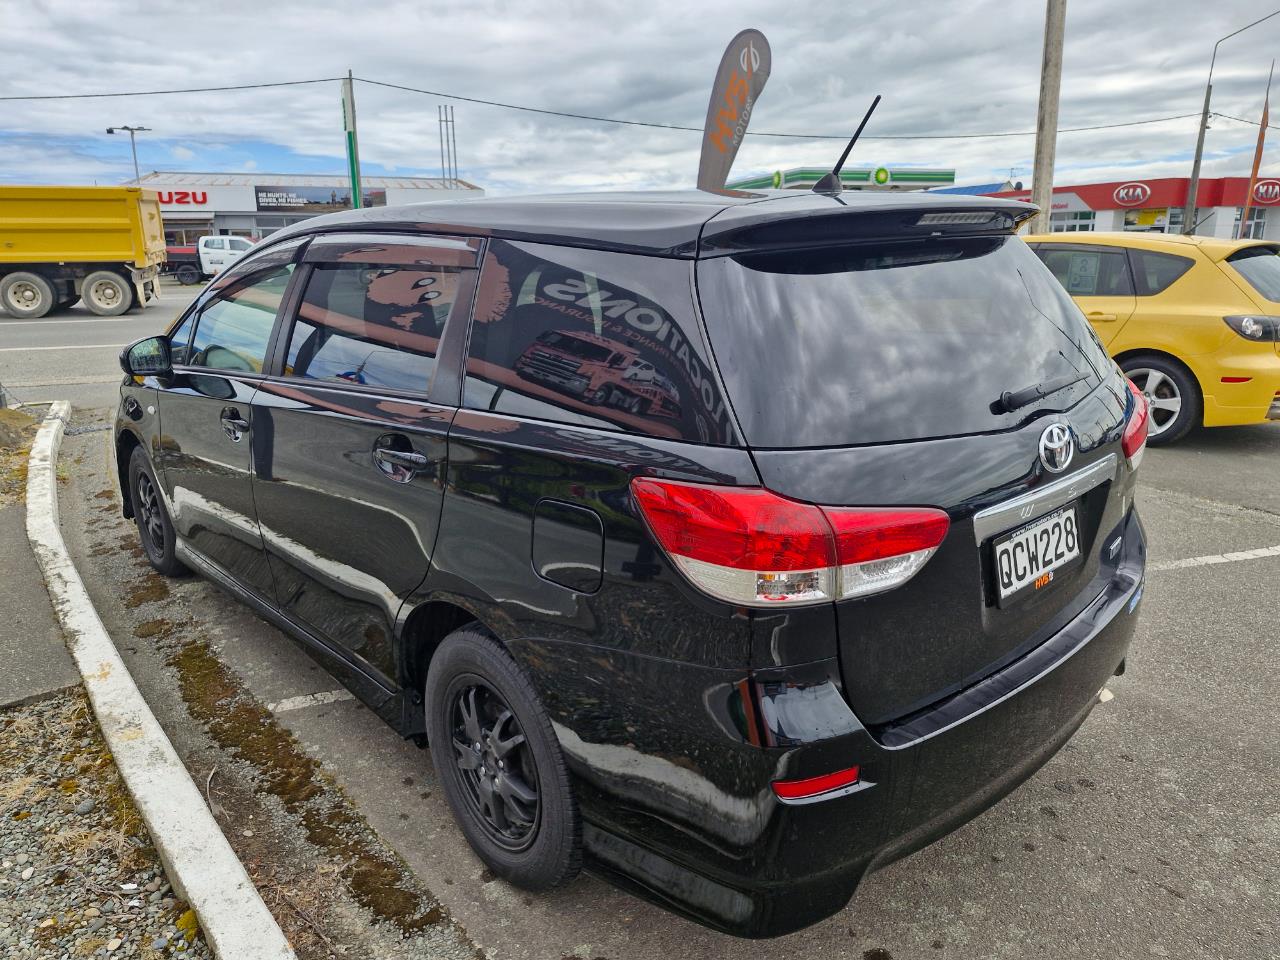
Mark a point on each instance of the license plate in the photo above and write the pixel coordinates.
(1031, 554)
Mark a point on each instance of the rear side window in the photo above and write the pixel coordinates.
(373, 325)
(594, 338)
(233, 330)
(876, 343)
(1260, 266)
(1088, 272)
(1156, 272)
(238, 244)
(215, 243)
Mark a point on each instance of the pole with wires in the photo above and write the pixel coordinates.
(353, 147)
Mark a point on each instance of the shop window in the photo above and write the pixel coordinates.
(1257, 223)
(1073, 221)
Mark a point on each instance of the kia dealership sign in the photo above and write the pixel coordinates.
(1133, 194)
(1266, 191)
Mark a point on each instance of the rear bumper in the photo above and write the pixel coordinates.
(1250, 401)
(792, 866)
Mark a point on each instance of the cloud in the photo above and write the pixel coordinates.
(943, 68)
(180, 152)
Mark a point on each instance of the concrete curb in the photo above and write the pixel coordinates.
(201, 864)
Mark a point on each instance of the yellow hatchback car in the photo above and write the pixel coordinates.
(1193, 321)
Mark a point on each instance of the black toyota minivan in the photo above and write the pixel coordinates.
(733, 545)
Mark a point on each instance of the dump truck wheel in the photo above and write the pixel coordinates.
(107, 294)
(26, 295)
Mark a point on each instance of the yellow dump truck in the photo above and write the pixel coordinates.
(104, 245)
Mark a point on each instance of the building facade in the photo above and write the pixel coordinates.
(852, 178)
(1156, 205)
(255, 205)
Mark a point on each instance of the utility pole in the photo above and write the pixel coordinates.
(1189, 211)
(1055, 21)
(353, 147)
(133, 146)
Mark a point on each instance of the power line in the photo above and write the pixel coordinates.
(1255, 123)
(160, 93)
(592, 117)
(763, 133)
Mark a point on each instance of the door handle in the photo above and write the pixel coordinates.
(234, 425)
(402, 458)
(396, 459)
(1101, 316)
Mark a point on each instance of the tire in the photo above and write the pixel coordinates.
(187, 274)
(154, 527)
(26, 295)
(106, 293)
(472, 675)
(1172, 393)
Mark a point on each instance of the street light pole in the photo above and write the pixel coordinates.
(1055, 19)
(133, 146)
(1189, 211)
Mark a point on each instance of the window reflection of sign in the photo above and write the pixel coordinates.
(313, 199)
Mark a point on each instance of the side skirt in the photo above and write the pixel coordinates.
(384, 701)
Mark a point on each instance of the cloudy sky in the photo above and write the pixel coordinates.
(943, 67)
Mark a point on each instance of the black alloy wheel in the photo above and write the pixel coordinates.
(496, 766)
(499, 762)
(159, 541)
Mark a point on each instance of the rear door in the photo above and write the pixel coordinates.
(881, 386)
(1098, 279)
(349, 452)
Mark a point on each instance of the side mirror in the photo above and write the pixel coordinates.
(148, 357)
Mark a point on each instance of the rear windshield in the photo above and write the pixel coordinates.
(1261, 267)
(890, 342)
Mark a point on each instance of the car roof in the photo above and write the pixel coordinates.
(663, 223)
(1216, 248)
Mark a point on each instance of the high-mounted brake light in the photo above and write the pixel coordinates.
(938, 219)
(750, 546)
(814, 788)
(1134, 441)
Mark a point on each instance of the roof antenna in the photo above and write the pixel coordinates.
(830, 182)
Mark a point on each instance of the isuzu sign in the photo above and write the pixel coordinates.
(1131, 194)
(197, 197)
(744, 68)
(1266, 191)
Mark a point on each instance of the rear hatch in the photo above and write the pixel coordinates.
(872, 374)
(1256, 269)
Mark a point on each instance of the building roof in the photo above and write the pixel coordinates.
(671, 223)
(168, 178)
(976, 190)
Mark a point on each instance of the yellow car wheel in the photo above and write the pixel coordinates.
(1172, 396)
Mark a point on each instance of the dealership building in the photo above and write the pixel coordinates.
(255, 205)
(1156, 205)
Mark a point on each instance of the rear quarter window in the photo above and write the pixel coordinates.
(1260, 266)
(1156, 272)
(593, 338)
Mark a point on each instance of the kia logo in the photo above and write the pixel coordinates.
(1056, 448)
(1266, 191)
(1131, 194)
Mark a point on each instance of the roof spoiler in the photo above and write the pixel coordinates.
(742, 230)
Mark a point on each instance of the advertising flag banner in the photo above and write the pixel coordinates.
(1257, 158)
(744, 68)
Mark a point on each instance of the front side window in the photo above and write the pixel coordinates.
(1088, 272)
(238, 244)
(215, 243)
(232, 331)
(593, 338)
(372, 325)
(1156, 272)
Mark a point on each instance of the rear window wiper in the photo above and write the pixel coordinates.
(1012, 400)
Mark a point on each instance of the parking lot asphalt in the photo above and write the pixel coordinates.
(1154, 833)
(72, 354)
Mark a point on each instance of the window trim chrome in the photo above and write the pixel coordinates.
(1027, 506)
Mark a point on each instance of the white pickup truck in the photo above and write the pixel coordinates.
(209, 256)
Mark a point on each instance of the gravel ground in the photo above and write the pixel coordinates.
(78, 874)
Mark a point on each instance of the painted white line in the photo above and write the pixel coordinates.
(61, 381)
(46, 322)
(310, 700)
(1260, 554)
(201, 864)
(70, 346)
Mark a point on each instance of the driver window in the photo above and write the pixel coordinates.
(233, 331)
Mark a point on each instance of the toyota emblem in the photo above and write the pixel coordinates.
(1056, 448)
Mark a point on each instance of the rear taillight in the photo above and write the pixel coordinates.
(1134, 441)
(751, 546)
